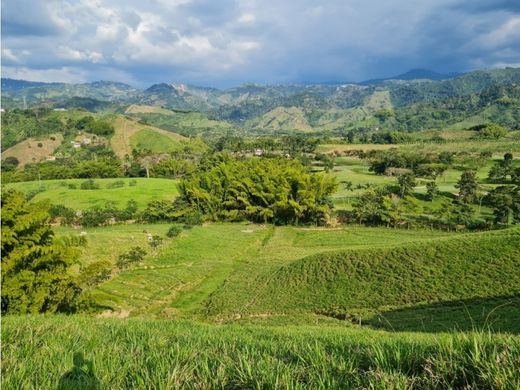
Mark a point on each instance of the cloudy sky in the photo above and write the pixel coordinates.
(228, 42)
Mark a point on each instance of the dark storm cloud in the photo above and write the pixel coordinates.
(227, 42)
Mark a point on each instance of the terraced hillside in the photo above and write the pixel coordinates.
(233, 271)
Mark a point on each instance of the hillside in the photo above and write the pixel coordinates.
(130, 134)
(34, 149)
(419, 273)
(281, 118)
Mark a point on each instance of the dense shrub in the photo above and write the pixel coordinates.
(89, 185)
(262, 190)
(134, 255)
(174, 231)
(35, 267)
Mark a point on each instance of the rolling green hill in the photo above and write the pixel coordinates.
(469, 266)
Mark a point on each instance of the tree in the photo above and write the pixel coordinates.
(371, 208)
(502, 169)
(467, 186)
(134, 255)
(489, 131)
(432, 189)
(406, 183)
(505, 202)
(95, 273)
(35, 268)
(350, 137)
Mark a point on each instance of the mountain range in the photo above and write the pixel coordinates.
(415, 100)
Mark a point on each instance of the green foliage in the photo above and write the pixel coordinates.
(155, 241)
(95, 273)
(264, 190)
(133, 256)
(89, 185)
(92, 125)
(103, 167)
(467, 186)
(432, 189)
(500, 171)
(489, 131)
(172, 168)
(174, 231)
(505, 202)
(35, 277)
(18, 125)
(406, 183)
(159, 210)
(10, 164)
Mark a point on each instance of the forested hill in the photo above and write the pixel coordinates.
(433, 100)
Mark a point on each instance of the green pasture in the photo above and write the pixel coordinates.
(142, 190)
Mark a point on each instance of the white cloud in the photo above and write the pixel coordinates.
(247, 18)
(68, 53)
(232, 41)
(9, 55)
(64, 74)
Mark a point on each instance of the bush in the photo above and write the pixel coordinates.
(134, 255)
(156, 241)
(89, 185)
(67, 214)
(95, 273)
(116, 184)
(174, 231)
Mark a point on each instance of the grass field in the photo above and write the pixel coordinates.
(142, 190)
(107, 243)
(39, 351)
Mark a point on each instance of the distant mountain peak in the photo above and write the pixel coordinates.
(415, 74)
(161, 87)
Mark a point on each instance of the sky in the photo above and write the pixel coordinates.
(223, 43)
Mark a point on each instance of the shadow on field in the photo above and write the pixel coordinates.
(80, 376)
(495, 314)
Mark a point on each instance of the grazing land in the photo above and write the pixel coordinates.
(68, 191)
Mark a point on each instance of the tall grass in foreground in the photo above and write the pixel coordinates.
(128, 354)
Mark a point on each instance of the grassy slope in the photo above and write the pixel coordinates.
(351, 282)
(154, 141)
(58, 191)
(125, 129)
(28, 151)
(130, 354)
